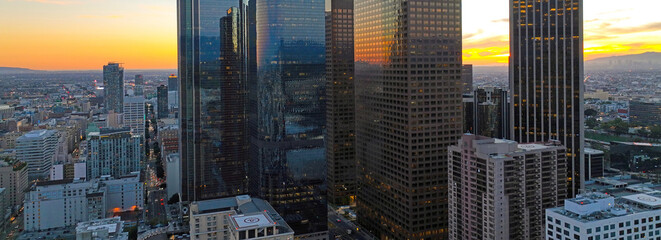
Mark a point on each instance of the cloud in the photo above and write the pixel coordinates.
(100, 17)
(502, 20)
(494, 41)
(471, 35)
(650, 27)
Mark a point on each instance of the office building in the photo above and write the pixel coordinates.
(37, 149)
(645, 114)
(14, 179)
(340, 105)
(592, 216)
(173, 174)
(635, 156)
(594, 163)
(139, 89)
(64, 203)
(467, 78)
(113, 152)
(168, 138)
(546, 77)
(5, 206)
(288, 114)
(499, 188)
(235, 218)
(134, 114)
(408, 111)
(113, 87)
(173, 83)
(6, 112)
(162, 102)
(102, 229)
(487, 113)
(215, 48)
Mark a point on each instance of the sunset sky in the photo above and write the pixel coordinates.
(85, 34)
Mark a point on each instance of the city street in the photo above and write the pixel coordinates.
(339, 227)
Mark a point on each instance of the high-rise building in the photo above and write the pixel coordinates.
(645, 113)
(594, 164)
(113, 87)
(546, 77)
(114, 152)
(467, 78)
(408, 111)
(134, 114)
(162, 102)
(593, 216)
(288, 121)
(173, 83)
(486, 113)
(499, 188)
(139, 86)
(14, 179)
(37, 149)
(340, 104)
(215, 48)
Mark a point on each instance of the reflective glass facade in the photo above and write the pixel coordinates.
(287, 153)
(214, 66)
(408, 111)
(113, 87)
(546, 77)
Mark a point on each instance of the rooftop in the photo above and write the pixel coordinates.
(249, 212)
(590, 207)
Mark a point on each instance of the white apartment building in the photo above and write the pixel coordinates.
(598, 216)
(134, 114)
(37, 149)
(237, 218)
(114, 152)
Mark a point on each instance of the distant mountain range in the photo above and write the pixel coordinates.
(635, 62)
(12, 70)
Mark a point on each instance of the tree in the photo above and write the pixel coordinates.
(655, 132)
(591, 123)
(591, 113)
(133, 233)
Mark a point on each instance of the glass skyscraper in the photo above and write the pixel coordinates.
(408, 111)
(546, 77)
(113, 87)
(214, 65)
(287, 148)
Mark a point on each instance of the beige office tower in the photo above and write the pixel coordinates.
(499, 188)
(408, 111)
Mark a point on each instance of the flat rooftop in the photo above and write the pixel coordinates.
(252, 221)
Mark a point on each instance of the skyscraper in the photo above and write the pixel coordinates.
(134, 114)
(287, 146)
(113, 87)
(162, 101)
(340, 104)
(488, 113)
(213, 69)
(114, 152)
(408, 111)
(546, 77)
(467, 78)
(173, 83)
(139, 85)
(499, 189)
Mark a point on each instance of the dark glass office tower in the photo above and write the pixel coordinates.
(113, 87)
(173, 83)
(162, 101)
(546, 77)
(139, 85)
(213, 38)
(287, 153)
(340, 104)
(408, 111)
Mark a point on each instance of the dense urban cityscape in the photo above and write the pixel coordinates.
(357, 119)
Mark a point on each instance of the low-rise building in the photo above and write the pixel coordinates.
(102, 229)
(236, 218)
(598, 216)
(63, 203)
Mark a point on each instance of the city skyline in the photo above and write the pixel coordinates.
(140, 34)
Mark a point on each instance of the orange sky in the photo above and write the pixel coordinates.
(86, 34)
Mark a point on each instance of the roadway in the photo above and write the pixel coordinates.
(338, 227)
